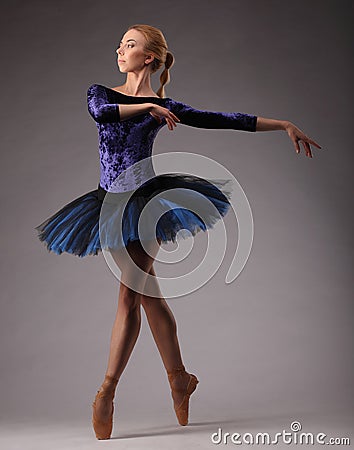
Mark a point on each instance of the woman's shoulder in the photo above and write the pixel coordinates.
(97, 88)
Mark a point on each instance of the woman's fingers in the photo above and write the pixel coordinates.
(170, 123)
(297, 135)
(171, 120)
(313, 143)
(297, 146)
(159, 112)
(307, 149)
(174, 117)
(306, 144)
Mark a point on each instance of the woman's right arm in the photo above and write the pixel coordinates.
(104, 112)
(128, 111)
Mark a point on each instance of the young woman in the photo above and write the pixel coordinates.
(128, 118)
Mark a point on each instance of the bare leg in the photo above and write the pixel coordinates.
(163, 327)
(164, 330)
(127, 321)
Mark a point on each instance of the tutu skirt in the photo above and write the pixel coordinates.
(77, 228)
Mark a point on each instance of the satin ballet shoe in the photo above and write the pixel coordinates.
(103, 429)
(182, 410)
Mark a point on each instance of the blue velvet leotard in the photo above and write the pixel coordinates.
(122, 143)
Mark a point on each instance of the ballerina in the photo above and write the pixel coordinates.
(128, 117)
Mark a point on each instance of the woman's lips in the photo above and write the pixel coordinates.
(120, 60)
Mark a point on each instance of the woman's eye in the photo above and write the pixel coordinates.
(128, 45)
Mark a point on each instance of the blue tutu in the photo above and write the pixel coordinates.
(75, 228)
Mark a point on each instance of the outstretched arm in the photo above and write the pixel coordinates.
(295, 134)
(186, 114)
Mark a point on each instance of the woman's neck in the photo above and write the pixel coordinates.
(137, 85)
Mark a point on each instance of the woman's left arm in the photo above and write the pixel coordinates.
(188, 115)
(238, 121)
(295, 134)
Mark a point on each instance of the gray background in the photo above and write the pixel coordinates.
(272, 347)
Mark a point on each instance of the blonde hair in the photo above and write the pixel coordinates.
(157, 45)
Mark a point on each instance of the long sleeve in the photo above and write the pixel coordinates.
(212, 119)
(98, 106)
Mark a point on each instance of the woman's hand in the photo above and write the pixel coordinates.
(297, 135)
(159, 113)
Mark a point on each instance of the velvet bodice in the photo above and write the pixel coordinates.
(124, 142)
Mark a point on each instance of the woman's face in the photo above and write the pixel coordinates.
(131, 54)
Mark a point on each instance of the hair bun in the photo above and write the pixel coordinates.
(169, 60)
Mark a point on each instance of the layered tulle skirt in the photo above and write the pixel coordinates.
(171, 204)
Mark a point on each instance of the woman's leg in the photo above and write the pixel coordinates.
(127, 321)
(164, 330)
(163, 327)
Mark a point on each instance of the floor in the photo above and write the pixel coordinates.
(43, 435)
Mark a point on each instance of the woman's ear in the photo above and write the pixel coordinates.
(149, 59)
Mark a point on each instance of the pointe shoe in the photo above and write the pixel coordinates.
(182, 409)
(103, 429)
